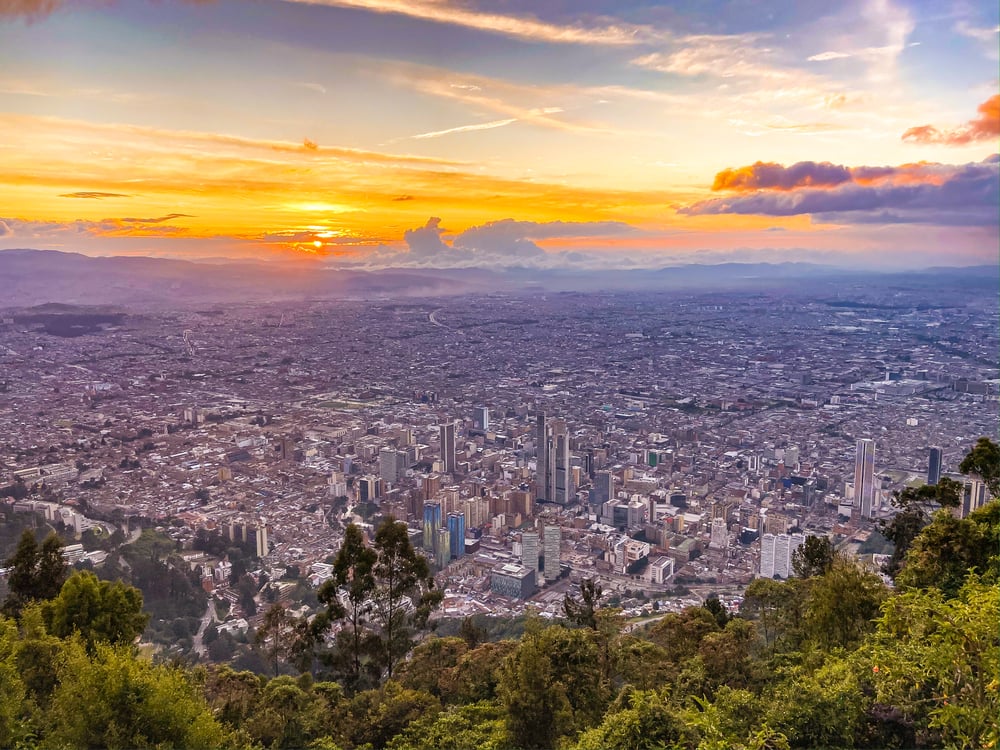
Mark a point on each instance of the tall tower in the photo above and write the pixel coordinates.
(604, 487)
(864, 477)
(552, 539)
(934, 466)
(529, 550)
(447, 436)
(542, 455)
(456, 533)
(560, 468)
(481, 418)
(432, 520)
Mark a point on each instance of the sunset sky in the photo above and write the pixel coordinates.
(583, 133)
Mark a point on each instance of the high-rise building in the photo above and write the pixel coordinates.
(456, 531)
(560, 464)
(604, 487)
(442, 546)
(551, 542)
(974, 496)
(388, 465)
(481, 418)
(934, 466)
(446, 434)
(776, 552)
(720, 534)
(432, 520)
(864, 477)
(542, 470)
(529, 550)
(263, 547)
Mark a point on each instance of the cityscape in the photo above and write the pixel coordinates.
(661, 443)
(499, 374)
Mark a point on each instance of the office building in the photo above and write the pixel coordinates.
(560, 466)
(720, 534)
(542, 470)
(934, 466)
(387, 465)
(446, 433)
(442, 547)
(513, 581)
(456, 531)
(551, 541)
(604, 487)
(776, 552)
(481, 418)
(864, 477)
(260, 538)
(432, 520)
(529, 550)
(974, 496)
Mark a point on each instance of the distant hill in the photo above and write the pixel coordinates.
(32, 277)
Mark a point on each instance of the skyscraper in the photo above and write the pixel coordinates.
(864, 477)
(456, 531)
(560, 468)
(432, 520)
(481, 418)
(604, 487)
(934, 466)
(542, 456)
(529, 550)
(447, 436)
(552, 539)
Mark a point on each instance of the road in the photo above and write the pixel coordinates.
(197, 645)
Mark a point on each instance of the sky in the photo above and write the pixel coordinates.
(582, 134)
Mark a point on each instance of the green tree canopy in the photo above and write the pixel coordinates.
(36, 573)
(100, 611)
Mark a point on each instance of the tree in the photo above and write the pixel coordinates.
(640, 720)
(114, 699)
(777, 606)
(936, 660)
(984, 460)
(12, 689)
(916, 507)
(353, 572)
(404, 593)
(277, 633)
(814, 557)
(100, 611)
(35, 573)
(718, 610)
(842, 604)
(582, 613)
(945, 551)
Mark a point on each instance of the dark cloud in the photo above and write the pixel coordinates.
(403, 198)
(94, 194)
(425, 241)
(957, 195)
(309, 145)
(770, 176)
(986, 127)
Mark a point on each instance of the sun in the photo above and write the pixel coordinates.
(317, 243)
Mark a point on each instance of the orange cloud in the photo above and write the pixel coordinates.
(983, 128)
